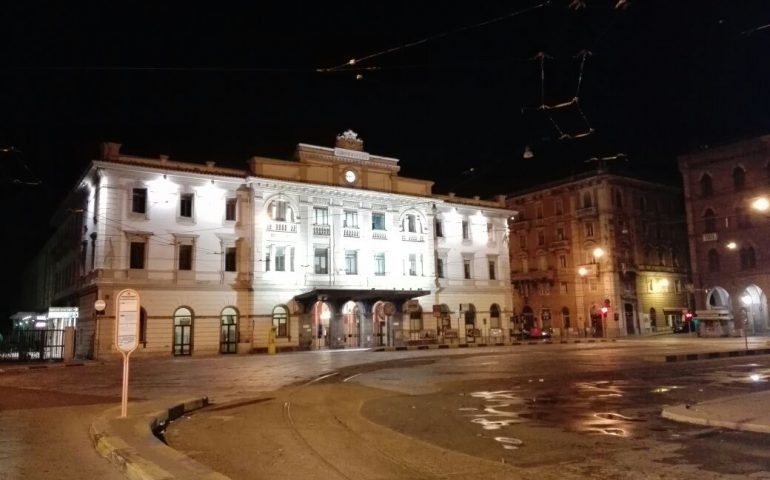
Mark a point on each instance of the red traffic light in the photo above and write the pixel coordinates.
(688, 316)
(605, 310)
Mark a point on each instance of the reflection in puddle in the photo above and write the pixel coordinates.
(603, 389)
(494, 416)
(510, 443)
(665, 389)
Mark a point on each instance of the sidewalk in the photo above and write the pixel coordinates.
(748, 412)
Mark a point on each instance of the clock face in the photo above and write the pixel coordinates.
(350, 176)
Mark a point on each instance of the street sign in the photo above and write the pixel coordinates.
(100, 305)
(127, 321)
(126, 334)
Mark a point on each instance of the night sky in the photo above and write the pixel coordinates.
(451, 91)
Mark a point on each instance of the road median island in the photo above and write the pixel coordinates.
(318, 431)
(130, 444)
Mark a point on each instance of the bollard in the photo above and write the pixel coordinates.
(271, 341)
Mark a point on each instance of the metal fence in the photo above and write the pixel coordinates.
(32, 345)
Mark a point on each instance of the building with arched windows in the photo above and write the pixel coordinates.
(729, 251)
(332, 249)
(599, 254)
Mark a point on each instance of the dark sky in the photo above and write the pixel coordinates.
(224, 81)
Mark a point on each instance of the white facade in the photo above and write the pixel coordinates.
(331, 250)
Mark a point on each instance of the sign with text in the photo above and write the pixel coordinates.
(63, 312)
(127, 321)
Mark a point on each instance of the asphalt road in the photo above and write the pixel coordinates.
(398, 414)
(579, 412)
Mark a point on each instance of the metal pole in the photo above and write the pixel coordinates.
(746, 333)
(124, 396)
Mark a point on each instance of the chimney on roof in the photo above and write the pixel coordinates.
(210, 164)
(451, 194)
(109, 151)
(163, 158)
(476, 197)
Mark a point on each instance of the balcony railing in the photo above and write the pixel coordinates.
(351, 232)
(321, 230)
(587, 212)
(282, 227)
(520, 225)
(558, 245)
(533, 275)
(412, 237)
(379, 235)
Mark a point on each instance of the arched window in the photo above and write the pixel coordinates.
(587, 200)
(739, 179)
(228, 330)
(565, 320)
(706, 186)
(713, 261)
(494, 316)
(709, 221)
(618, 199)
(653, 318)
(183, 323)
(280, 211)
(743, 218)
(281, 321)
(748, 258)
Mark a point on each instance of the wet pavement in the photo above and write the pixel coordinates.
(593, 414)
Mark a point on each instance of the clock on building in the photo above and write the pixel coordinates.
(350, 176)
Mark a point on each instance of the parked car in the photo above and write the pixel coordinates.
(536, 332)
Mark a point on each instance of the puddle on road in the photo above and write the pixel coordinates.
(572, 408)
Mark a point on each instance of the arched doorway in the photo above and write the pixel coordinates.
(351, 324)
(183, 324)
(322, 315)
(528, 318)
(753, 310)
(382, 323)
(718, 299)
(470, 323)
(228, 330)
(565, 320)
(445, 321)
(653, 319)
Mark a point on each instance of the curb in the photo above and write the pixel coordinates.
(679, 413)
(44, 365)
(713, 355)
(130, 461)
(481, 345)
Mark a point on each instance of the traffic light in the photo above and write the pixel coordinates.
(688, 316)
(606, 307)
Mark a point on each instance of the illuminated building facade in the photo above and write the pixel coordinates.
(600, 255)
(728, 234)
(330, 250)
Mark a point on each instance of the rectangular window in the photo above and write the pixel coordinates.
(439, 228)
(466, 230)
(523, 241)
(440, 268)
(411, 224)
(490, 231)
(467, 268)
(351, 262)
(492, 270)
(560, 233)
(280, 259)
(230, 209)
(378, 221)
(563, 288)
(137, 255)
(541, 237)
(351, 219)
(186, 205)
(185, 257)
(562, 261)
(321, 216)
(139, 200)
(321, 260)
(589, 229)
(539, 210)
(524, 265)
(230, 259)
(412, 264)
(558, 206)
(379, 264)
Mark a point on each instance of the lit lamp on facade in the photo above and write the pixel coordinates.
(761, 204)
(598, 252)
(731, 245)
(582, 271)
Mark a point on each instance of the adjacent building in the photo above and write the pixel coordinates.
(332, 249)
(599, 254)
(728, 234)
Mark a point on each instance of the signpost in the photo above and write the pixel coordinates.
(126, 334)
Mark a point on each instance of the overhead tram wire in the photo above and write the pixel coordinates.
(354, 62)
